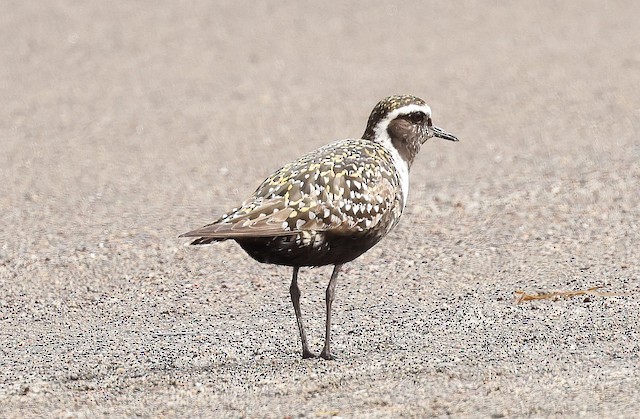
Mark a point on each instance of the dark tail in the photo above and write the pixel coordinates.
(205, 240)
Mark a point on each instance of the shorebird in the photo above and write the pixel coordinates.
(333, 204)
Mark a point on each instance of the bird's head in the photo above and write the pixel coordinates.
(404, 123)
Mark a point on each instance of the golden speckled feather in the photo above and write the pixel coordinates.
(344, 187)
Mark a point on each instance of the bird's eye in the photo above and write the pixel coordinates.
(417, 117)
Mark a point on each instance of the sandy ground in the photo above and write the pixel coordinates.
(123, 124)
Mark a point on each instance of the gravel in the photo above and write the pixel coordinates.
(126, 124)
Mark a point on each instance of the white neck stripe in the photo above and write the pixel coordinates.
(382, 137)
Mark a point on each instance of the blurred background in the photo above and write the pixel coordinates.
(142, 110)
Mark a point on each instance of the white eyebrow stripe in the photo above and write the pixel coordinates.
(405, 110)
(382, 137)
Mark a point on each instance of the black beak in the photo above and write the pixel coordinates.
(440, 133)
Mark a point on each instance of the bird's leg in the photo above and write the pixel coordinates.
(294, 291)
(331, 288)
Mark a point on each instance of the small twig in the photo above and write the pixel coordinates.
(523, 296)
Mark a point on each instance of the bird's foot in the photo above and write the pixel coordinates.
(327, 356)
(306, 354)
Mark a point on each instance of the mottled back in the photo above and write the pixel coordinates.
(344, 187)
